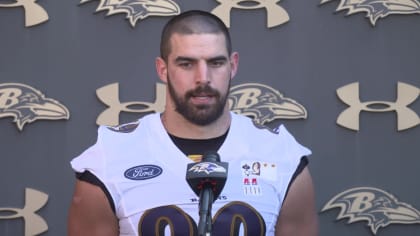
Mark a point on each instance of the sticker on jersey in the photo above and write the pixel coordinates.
(138, 9)
(207, 167)
(253, 172)
(259, 169)
(377, 207)
(143, 172)
(26, 105)
(125, 128)
(376, 9)
(251, 186)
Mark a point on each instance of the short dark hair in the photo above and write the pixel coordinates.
(192, 22)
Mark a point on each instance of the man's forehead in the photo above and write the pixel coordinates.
(209, 41)
(181, 36)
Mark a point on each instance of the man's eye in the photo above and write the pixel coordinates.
(217, 63)
(185, 64)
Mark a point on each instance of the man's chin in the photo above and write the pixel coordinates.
(202, 118)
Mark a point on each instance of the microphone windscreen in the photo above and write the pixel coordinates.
(211, 157)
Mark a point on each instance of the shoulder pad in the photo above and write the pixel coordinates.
(125, 128)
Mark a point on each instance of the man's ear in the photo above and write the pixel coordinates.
(234, 63)
(161, 69)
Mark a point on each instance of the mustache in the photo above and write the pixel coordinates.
(203, 89)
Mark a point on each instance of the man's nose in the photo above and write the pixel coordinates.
(202, 73)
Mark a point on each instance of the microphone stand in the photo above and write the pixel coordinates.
(205, 204)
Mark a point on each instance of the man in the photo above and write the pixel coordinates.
(132, 181)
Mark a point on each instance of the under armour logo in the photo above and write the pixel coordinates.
(34, 13)
(34, 224)
(276, 15)
(109, 95)
(406, 117)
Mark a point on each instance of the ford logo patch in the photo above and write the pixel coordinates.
(143, 172)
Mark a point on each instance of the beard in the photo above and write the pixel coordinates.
(203, 114)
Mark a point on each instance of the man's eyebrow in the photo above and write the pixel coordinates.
(216, 58)
(181, 58)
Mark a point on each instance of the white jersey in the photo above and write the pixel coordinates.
(145, 174)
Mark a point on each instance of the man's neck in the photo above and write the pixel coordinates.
(177, 125)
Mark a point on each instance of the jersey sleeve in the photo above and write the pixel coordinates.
(296, 149)
(92, 159)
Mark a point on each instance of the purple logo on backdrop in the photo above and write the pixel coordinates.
(27, 104)
(143, 172)
(138, 9)
(378, 207)
(377, 9)
(263, 103)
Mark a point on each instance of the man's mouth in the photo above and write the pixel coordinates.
(202, 98)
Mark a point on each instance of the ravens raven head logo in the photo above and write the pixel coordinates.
(138, 9)
(25, 105)
(207, 167)
(376, 9)
(263, 103)
(373, 205)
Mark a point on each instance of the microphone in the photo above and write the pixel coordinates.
(207, 179)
